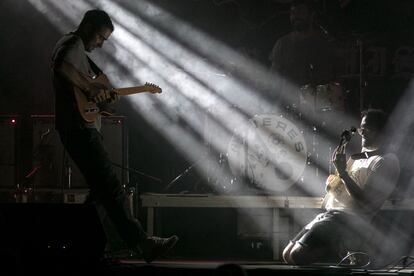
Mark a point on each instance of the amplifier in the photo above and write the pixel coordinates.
(9, 129)
(52, 165)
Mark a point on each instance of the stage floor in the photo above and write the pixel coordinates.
(174, 266)
(238, 267)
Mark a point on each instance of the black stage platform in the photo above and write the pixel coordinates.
(182, 267)
(197, 267)
(68, 239)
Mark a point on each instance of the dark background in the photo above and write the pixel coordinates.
(249, 27)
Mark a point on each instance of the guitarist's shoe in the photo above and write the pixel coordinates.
(155, 247)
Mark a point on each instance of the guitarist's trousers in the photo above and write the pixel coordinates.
(85, 147)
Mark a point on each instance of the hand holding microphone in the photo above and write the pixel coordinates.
(348, 133)
(339, 157)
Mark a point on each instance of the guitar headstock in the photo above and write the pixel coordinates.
(152, 88)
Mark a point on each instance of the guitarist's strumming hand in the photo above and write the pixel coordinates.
(100, 93)
(106, 96)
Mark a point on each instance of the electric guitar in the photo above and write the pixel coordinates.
(90, 107)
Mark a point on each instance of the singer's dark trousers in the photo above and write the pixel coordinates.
(335, 233)
(85, 147)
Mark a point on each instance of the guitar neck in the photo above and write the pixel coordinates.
(131, 90)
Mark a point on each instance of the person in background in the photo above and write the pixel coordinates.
(304, 55)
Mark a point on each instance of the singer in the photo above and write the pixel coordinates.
(354, 196)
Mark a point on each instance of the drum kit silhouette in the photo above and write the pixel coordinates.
(273, 153)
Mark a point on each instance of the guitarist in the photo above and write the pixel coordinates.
(367, 180)
(72, 71)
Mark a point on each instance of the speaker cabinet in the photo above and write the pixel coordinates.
(53, 167)
(9, 126)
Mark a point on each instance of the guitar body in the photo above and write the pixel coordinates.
(90, 108)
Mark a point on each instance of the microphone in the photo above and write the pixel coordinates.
(348, 133)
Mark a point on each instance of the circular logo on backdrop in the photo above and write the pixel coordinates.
(270, 150)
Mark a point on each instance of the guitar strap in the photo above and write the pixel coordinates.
(105, 107)
(94, 67)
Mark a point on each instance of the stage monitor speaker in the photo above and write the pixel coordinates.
(9, 126)
(51, 234)
(49, 157)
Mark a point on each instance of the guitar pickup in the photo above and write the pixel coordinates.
(91, 110)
